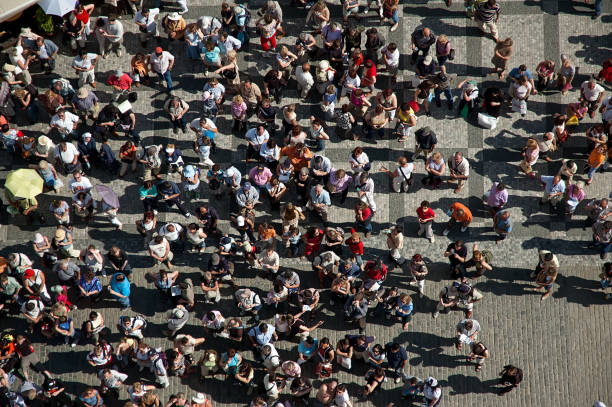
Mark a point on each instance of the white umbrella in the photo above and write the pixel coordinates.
(57, 7)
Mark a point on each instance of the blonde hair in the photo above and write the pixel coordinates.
(231, 55)
(436, 156)
(237, 99)
(330, 89)
(284, 51)
(531, 143)
(442, 38)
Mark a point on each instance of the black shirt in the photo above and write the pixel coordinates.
(117, 261)
(210, 217)
(271, 79)
(462, 252)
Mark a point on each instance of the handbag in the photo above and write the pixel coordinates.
(229, 74)
(451, 54)
(526, 167)
(486, 121)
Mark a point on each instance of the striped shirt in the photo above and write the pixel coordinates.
(487, 13)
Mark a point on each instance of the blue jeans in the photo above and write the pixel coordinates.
(167, 77)
(365, 225)
(320, 144)
(124, 301)
(395, 17)
(32, 112)
(605, 247)
(598, 7)
(592, 171)
(447, 93)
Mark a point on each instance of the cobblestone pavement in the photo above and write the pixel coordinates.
(557, 342)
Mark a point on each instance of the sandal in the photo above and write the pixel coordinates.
(478, 368)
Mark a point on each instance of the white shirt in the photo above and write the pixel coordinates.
(607, 113)
(258, 139)
(149, 21)
(15, 59)
(195, 123)
(162, 63)
(392, 57)
(158, 249)
(342, 399)
(67, 124)
(303, 78)
(68, 155)
(590, 94)
(362, 159)
(354, 82)
(83, 185)
(407, 170)
(229, 44)
(85, 62)
(432, 394)
(171, 236)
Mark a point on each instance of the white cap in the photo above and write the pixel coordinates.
(38, 238)
(431, 381)
(240, 221)
(230, 172)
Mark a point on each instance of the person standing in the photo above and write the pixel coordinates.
(459, 168)
(502, 224)
(511, 376)
(487, 16)
(554, 188)
(119, 288)
(422, 39)
(84, 64)
(395, 243)
(602, 235)
(161, 63)
(497, 197)
(418, 270)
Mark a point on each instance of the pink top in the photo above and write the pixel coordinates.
(239, 109)
(260, 178)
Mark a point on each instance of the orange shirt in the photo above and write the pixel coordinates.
(467, 214)
(297, 161)
(596, 158)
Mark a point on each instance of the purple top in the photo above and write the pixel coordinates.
(340, 184)
(497, 198)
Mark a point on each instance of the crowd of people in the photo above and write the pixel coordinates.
(280, 208)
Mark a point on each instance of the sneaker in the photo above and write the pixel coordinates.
(420, 232)
(188, 215)
(414, 156)
(73, 344)
(436, 314)
(532, 275)
(66, 340)
(103, 272)
(385, 380)
(119, 53)
(432, 239)
(445, 232)
(155, 212)
(397, 380)
(464, 228)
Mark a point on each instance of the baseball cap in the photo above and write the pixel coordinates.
(29, 273)
(240, 221)
(247, 185)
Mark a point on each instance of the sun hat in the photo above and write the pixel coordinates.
(428, 59)
(324, 65)
(44, 140)
(174, 16)
(86, 135)
(82, 93)
(60, 234)
(198, 398)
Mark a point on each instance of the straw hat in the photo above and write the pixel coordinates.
(82, 93)
(324, 65)
(199, 398)
(8, 67)
(60, 234)
(174, 16)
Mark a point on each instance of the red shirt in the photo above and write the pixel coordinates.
(375, 273)
(425, 214)
(83, 16)
(366, 213)
(124, 82)
(370, 72)
(356, 247)
(358, 61)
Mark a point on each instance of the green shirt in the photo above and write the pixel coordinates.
(10, 287)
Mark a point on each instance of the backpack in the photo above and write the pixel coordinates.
(247, 20)
(487, 256)
(142, 319)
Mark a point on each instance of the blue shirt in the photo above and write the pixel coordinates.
(122, 287)
(404, 309)
(549, 187)
(515, 73)
(260, 337)
(305, 350)
(501, 223)
(353, 271)
(173, 190)
(322, 198)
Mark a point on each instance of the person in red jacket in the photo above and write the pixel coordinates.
(376, 273)
(355, 244)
